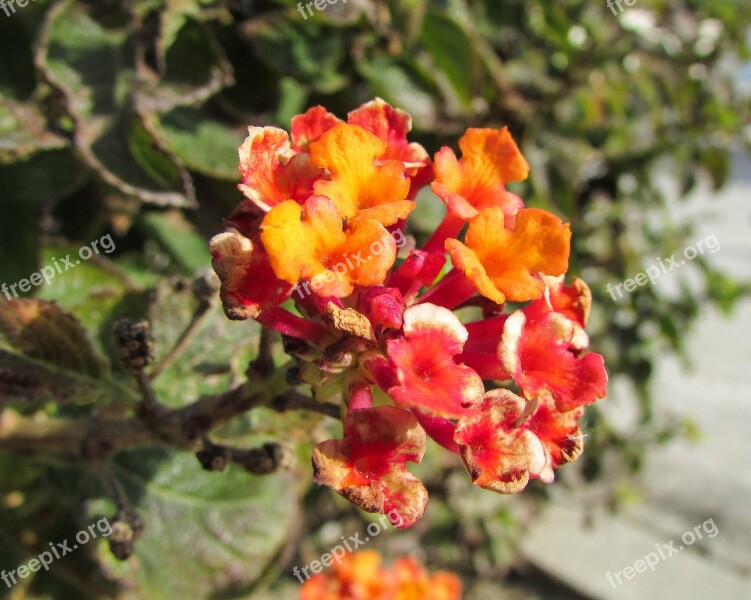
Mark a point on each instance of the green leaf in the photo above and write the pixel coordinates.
(214, 358)
(42, 331)
(45, 355)
(451, 49)
(227, 527)
(150, 157)
(94, 290)
(175, 15)
(23, 131)
(400, 85)
(200, 141)
(292, 98)
(92, 65)
(303, 50)
(717, 163)
(16, 74)
(19, 250)
(43, 177)
(180, 239)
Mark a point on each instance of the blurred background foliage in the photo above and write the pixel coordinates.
(125, 118)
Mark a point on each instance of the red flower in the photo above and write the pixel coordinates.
(559, 433)
(537, 354)
(368, 466)
(272, 172)
(323, 212)
(429, 379)
(573, 302)
(249, 284)
(500, 455)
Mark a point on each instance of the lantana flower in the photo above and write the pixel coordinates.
(362, 576)
(368, 465)
(318, 251)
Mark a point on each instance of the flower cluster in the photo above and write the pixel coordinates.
(361, 576)
(312, 252)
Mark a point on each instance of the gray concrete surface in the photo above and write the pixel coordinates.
(684, 484)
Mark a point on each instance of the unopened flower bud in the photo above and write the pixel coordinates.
(134, 344)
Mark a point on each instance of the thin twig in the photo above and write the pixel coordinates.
(182, 341)
(99, 437)
(263, 364)
(293, 400)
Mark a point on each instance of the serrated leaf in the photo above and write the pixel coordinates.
(150, 157)
(41, 177)
(194, 67)
(175, 15)
(23, 131)
(41, 330)
(213, 359)
(301, 49)
(96, 291)
(45, 354)
(92, 65)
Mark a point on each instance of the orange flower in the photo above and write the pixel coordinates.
(358, 576)
(504, 263)
(362, 576)
(309, 243)
(362, 185)
(313, 233)
(272, 172)
(379, 118)
(490, 160)
(392, 126)
(413, 582)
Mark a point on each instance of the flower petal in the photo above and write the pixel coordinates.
(490, 160)
(368, 466)
(537, 355)
(361, 185)
(573, 302)
(310, 244)
(310, 126)
(272, 172)
(500, 455)
(559, 433)
(392, 126)
(429, 379)
(503, 264)
(249, 284)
